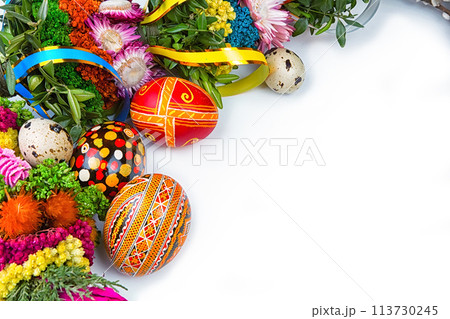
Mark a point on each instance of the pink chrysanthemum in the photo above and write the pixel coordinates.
(12, 168)
(271, 21)
(134, 66)
(122, 11)
(111, 37)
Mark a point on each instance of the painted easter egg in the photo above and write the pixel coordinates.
(40, 139)
(109, 156)
(146, 224)
(175, 110)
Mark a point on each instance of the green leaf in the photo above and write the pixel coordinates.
(2, 48)
(353, 23)
(34, 81)
(61, 100)
(227, 78)
(53, 107)
(201, 22)
(18, 16)
(15, 44)
(43, 9)
(64, 120)
(177, 46)
(300, 26)
(82, 95)
(10, 78)
(5, 37)
(340, 5)
(26, 8)
(341, 33)
(213, 92)
(75, 132)
(8, 7)
(178, 28)
(74, 107)
(325, 28)
(35, 43)
(49, 68)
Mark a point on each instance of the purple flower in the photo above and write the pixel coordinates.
(135, 66)
(122, 11)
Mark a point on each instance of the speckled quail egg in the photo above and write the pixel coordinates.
(287, 71)
(40, 139)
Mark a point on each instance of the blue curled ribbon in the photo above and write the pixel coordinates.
(60, 55)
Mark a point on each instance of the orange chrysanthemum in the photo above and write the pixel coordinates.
(20, 215)
(61, 210)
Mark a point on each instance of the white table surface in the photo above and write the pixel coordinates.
(365, 221)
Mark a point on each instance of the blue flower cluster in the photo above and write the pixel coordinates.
(244, 32)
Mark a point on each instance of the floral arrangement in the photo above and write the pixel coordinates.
(47, 233)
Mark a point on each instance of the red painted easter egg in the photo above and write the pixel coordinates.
(174, 109)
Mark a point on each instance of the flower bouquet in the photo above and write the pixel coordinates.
(47, 233)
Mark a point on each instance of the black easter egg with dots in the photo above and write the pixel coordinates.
(109, 156)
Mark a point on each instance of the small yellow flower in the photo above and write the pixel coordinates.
(69, 250)
(223, 11)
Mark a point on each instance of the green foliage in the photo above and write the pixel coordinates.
(50, 176)
(320, 15)
(92, 201)
(66, 72)
(70, 104)
(186, 28)
(70, 279)
(30, 26)
(17, 107)
(55, 29)
(5, 188)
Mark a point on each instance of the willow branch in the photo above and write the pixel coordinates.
(440, 6)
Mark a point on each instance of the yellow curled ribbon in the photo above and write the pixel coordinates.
(161, 10)
(230, 56)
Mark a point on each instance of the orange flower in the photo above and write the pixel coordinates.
(20, 216)
(61, 210)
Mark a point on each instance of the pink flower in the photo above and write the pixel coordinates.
(111, 37)
(106, 294)
(122, 11)
(134, 65)
(7, 119)
(271, 22)
(12, 168)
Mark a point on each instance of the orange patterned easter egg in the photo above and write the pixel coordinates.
(174, 109)
(146, 224)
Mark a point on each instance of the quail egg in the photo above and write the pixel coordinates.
(287, 71)
(40, 139)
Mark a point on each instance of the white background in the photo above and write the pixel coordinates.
(370, 227)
